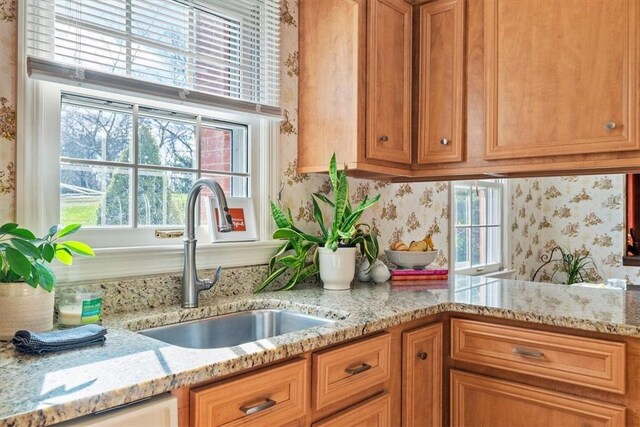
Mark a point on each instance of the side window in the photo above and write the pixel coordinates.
(477, 226)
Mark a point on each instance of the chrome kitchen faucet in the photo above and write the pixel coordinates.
(191, 284)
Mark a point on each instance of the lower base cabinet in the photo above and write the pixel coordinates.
(373, 412)
(422, 376)
(479, 401)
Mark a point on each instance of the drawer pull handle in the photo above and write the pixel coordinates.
(358, 370)
(268, 403)
(527, 353)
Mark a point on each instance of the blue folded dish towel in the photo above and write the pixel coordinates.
(64, 339)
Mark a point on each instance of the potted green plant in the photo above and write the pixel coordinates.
(575, 265)
(26, 280)
(303, 255)
(337, 258)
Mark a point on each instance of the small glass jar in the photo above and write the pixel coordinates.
(79, 305)
(617, 284)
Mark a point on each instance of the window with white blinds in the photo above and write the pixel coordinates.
(210, 52)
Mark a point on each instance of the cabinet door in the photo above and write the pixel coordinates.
(560, 77)
(482, 401)
(375, 412)
(440, 82)
(422, 377)
(389, 81)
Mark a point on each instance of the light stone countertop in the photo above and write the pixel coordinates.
(41, 390)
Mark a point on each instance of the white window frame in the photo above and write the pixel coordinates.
(38, 195)
(483, 269)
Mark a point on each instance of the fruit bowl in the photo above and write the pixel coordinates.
(411, 259)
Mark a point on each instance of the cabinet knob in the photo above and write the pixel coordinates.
(422, 355)
(610, 125)
(383, 138)
(444, 141)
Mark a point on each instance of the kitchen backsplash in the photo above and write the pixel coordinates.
(579, 212)
(574, 211)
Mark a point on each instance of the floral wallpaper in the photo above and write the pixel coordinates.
(584, 213)
(405, 211)
(8, 53)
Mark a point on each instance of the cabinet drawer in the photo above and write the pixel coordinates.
(583, 361)
(374, 412)
(273, 396)
(477, 400)
(346, 371)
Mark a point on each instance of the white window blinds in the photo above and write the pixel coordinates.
(211, 52)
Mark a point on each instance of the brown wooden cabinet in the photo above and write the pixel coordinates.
(561, 77)
(355, 85)
(501, 87)
(422, 377)
(482, 401)
(439, 96)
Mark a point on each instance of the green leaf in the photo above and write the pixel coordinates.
(47, 277)
(27, 248)
(78, 247)
(8, 227)
(48, 252)
(341, 196)
(333, 172)
(317, 214)
(281, 250)
(21, 232)
(290, 261)
(273, 276)
(53, 230)
(64, 256)
(279, 217)
(324, 198)
(34, 279)
(289, 234)
(69, 229)
(18, 263)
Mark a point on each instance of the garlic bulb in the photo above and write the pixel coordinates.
(380, 272)
(364, 274)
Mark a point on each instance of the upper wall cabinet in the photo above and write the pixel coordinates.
(561, 77)
(355, 85)
(439, 73)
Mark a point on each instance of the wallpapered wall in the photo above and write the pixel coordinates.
(581, 213)
(8, 46)
(573, 211)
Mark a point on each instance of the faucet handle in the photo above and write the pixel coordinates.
(216, 276)
(206, 284)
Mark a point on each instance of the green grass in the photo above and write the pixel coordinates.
(81, 213)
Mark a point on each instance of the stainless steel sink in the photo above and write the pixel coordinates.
(234, 329)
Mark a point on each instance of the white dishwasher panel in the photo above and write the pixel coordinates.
(159, 411)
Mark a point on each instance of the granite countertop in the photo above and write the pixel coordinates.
(40, 390)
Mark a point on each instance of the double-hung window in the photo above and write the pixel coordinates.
(477, 226)
(131, 101)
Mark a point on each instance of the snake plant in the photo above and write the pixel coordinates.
(299, 255)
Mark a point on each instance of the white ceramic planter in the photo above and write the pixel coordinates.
(23, 307)
(338, 268)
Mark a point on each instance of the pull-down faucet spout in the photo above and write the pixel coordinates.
(191, 284)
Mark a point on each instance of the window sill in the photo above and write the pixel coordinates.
(115, 263)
